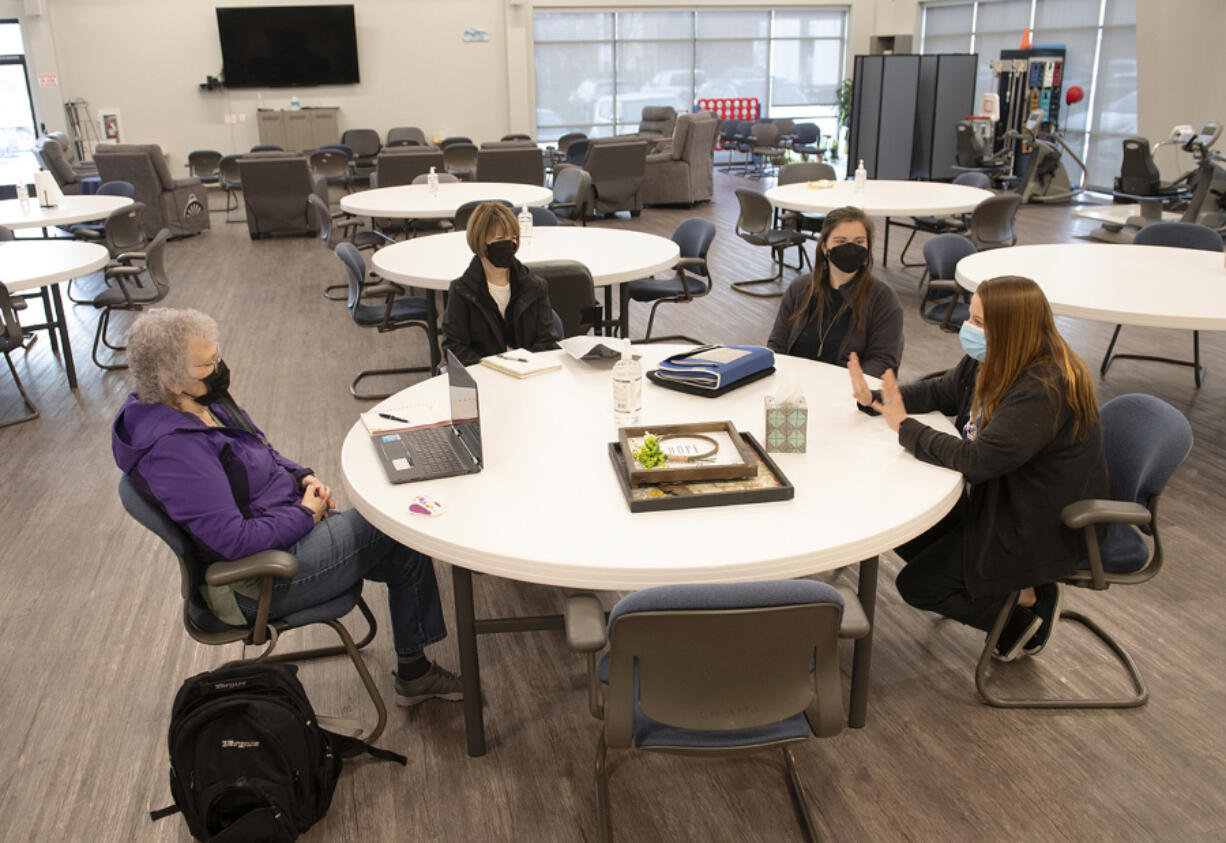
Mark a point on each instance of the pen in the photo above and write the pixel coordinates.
(513, 359)
(390, 417)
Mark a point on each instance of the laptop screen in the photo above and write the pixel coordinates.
(465, 414)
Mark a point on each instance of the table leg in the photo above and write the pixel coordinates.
(608, 310)
(436, 355)
(623, 309)
(470, 673)
(864, 646)
(69, 368)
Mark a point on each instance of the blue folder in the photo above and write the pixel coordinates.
(716, 366)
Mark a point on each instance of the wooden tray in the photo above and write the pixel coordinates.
(736, 465)
(770, 484)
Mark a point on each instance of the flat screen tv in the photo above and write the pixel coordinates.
(287, 46)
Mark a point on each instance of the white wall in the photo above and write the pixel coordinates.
(1179, 77)
(146, 58)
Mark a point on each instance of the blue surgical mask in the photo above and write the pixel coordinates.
(974, 341)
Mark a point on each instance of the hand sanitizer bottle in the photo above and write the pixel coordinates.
(525, 223)
(627, 389)
(861, 177)
(432, 182)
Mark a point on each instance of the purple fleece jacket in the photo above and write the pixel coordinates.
(229, 489)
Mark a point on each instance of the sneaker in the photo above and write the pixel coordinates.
(1047, 606)
(1019, 629)
(435, 682)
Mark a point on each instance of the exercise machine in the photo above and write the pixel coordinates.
(1045, 179)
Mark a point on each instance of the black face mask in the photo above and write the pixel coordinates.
(501, 253)
(217, 385)
(848, 257)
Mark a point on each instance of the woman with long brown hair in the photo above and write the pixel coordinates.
(841, 308)
(1030, 444)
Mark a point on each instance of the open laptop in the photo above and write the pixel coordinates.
(446, 451)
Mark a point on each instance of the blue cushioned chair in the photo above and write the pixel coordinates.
(691, 278)
(205, 627)
(399, 310)
(712, 670)
(1145, 440)
(1179, 235)
(942, 300)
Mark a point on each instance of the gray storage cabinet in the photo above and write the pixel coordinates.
(305, 129)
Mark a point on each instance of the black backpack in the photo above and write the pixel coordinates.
(248, 760)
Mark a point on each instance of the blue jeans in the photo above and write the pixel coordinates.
(344, 549)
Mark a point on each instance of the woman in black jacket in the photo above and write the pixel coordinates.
(841, 308)
(497, 304)
(1030, 444)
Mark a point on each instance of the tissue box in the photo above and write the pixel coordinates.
(786, 425)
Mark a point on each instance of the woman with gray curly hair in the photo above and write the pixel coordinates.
(185, 444)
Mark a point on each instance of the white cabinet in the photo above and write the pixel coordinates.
(302, 130)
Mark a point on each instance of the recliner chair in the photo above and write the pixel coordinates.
(51, 155)
(618, 168)
(180, 205)
(685, 172)
(658, 120)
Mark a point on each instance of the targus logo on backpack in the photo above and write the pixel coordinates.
(229, 686)
(229, 744)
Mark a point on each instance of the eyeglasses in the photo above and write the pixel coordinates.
(210, 364)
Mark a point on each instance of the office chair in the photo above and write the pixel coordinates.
(460, 159)
(710, 670)
(994, 221)
(755, 227)
(1179, 235)
(231, 181)
(937, 225)
(123, 233)
(465, 211)
(795, 173)
(398, 310)
(130, 293)
(692, 278)
(1145, 439)
(203, 626)
(11, 339)
(349, 233)
(572, 295)
(572, 195)
(942, 299)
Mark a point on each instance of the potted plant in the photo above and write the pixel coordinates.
(843, 117)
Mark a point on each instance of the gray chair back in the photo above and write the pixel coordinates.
(658, 120)
(460, 157)
(979, 180)
(124, 230)
(323, 216)
(993, 222)
(453, 139)
(403, 164)
(572, 193)
(399, 134)
(517, 165)
(1181, 235)
(576, 151)
(364, 142)
(942, 253)
(231, 178)
(764, 134)
(202, 163)
(723, 657)
(805, 171)
(117, 188)
(571, 294)
(617, 169)
(465, 211)
(276, 191)
(757, 214)
(567, 139)
(330, 164)
(517, 138)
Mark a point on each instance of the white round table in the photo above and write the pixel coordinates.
(612, 255)
(1115, 217)
(71, 209)
(547, 507)
(1151, 286)
(1154, 286)
(32, 264)
(881, 198)
(413, 201)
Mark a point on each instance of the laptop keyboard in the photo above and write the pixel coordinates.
(435, 451)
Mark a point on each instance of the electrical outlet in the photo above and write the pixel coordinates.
(242, 117)
(227, 119)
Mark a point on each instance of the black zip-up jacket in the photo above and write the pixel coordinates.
(473, 328)
(1023, 466)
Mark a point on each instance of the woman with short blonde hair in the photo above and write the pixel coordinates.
(498, 303)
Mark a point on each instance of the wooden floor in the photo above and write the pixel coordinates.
(94, 649)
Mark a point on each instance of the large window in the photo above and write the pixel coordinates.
(596, 70)
(1100, 39)
(17, 162)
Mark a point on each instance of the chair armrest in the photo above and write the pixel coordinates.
(128, 257)
(123, 271)
(585, 623)
(276, 563)
(383, 288)
(1081, 514)
(688, 262)
(341, 220)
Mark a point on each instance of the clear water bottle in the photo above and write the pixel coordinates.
(525, 223)
(861, 177)
(627, 389)
(432, 182)
(23, 197)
